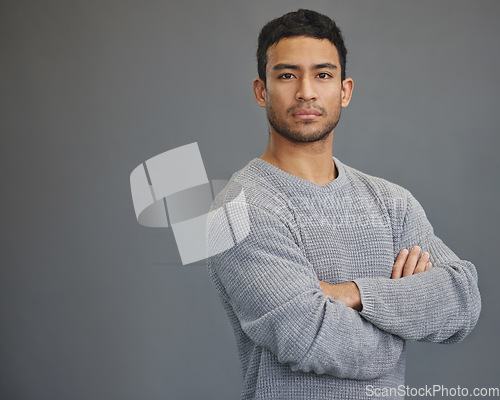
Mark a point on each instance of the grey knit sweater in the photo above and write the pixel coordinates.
(274, 235)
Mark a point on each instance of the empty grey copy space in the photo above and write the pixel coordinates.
(95, 306)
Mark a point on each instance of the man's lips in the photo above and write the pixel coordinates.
(306, 113)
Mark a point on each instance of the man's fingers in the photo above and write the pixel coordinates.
(411, 261)
(422, 262)
(397, 268)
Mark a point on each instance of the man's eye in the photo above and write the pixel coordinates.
(286, 76)
(324, 75)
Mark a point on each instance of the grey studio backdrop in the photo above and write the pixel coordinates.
(94, 305)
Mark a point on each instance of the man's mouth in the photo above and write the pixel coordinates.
(306, 113)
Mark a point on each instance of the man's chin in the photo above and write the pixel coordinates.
(300, 137)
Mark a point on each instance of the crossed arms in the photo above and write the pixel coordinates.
(281, 304)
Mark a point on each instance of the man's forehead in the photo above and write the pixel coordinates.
(302, 50)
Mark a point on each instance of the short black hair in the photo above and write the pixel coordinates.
(299, 23)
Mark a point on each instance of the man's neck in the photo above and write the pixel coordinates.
(309, 161)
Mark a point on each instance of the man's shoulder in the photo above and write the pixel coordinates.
(391, 197)
(379, 187)
(249, 199)
(253, 184)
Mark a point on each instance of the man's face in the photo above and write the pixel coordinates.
(304, 94)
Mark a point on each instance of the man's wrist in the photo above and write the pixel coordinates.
(352, 296)
(346, 292)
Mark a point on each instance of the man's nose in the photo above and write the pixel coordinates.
(306, 90)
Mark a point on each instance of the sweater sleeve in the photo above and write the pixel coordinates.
(275, 293)
(439, 305)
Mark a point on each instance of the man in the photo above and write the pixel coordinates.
(331, 270)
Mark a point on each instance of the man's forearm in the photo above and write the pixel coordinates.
(407, 263)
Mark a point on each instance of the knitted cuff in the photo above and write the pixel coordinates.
(367, 291)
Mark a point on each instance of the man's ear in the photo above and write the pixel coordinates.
(347, 87)
(259, 91)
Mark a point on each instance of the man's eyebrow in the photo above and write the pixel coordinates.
(278, 67)
(325, 65)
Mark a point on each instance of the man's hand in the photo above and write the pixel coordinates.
(410, 263)
(346, 292)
